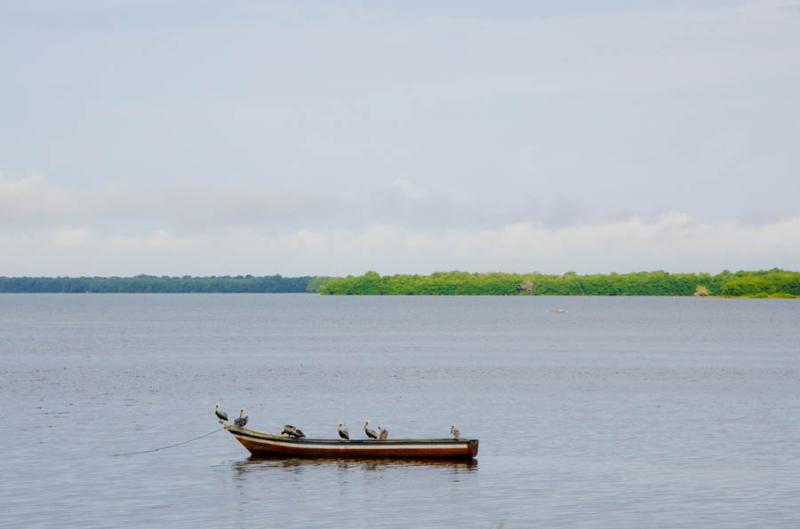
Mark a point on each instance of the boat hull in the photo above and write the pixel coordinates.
(262, 444)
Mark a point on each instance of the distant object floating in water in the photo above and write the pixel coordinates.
(558, 311)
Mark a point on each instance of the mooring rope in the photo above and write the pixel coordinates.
(169, 446)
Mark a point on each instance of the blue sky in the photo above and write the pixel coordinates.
(336, 137)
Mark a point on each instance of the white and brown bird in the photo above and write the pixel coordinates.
(370, 432)
(455, 432)
(293, 431)
(241, 421)
(383, 433)
(221, 415)
(343, 433)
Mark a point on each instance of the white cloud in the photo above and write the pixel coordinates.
(36, 201)
(69, 237)
(675, 242)
(32, 197)
(47, 229)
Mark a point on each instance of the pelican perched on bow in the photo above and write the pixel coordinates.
(221, 415)
(455, 432)
(241, 421)
(292, 431)
(343, 433)
(383, 433)
(370, 433)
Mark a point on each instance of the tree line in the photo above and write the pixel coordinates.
(767, 283)
(162, 284)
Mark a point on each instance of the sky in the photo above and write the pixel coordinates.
(332, 138)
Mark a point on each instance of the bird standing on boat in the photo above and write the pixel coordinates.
(221, 415)
(241, 422)
(383, 433)
(292, 431)
(370, 433)
(455, 431)
(343, 433)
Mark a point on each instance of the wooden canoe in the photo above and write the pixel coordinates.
(270, 445)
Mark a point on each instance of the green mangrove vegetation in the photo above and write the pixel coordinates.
(162, 284)
(774, 283)
(768, 283)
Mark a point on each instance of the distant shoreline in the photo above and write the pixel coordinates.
(147, 284)
(775, 283)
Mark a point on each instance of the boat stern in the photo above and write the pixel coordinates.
(473, 447)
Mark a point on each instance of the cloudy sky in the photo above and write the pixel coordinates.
(316, 137)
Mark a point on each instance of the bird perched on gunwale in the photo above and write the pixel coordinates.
(370, 433)
(221, 415)
(456, 433)
(343, 433)
(383, 433)
(241, 421)
(293, 431)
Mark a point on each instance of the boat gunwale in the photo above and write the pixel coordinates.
(264, 436)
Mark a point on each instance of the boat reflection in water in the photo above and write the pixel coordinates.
(327, 484)
(298, 465)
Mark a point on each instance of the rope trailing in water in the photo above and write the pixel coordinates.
(215, 430)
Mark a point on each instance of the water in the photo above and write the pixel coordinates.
(619, 413)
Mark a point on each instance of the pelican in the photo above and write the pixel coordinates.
(292, 431)
(370, 433)
(221, 415)
(241, 422)
(383, 433)
(343, 433)
(455, 431)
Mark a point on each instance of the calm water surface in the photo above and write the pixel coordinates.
(619, 413)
